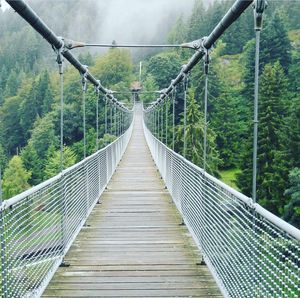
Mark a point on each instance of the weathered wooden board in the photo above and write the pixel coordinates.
(134, 245)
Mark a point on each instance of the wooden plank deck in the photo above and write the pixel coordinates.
(134, 245)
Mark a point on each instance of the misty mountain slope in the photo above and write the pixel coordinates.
(130, 21)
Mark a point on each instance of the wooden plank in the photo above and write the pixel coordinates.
(134, 245)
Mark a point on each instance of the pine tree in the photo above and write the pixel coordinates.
(197, 27)
(195, 136)
(11, 130)
(272, 154)
(12, 84)
(44, 94)
(292, 208)
(293, 140)
(227, 125)
(53, 163)
(29, 110)
(3, 158)
(274, 46)
(178, 34)
(15, 178)
(32, 163)
(43, 136)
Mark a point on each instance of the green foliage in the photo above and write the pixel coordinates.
(149, 85)
(15, 178)
(275, 46)
(32, 163)
(293, 140)
(229, 177)
(53, 162)
(107, 139)
(113, 67)
(195, 136)
(179, 32)
(226, 122)
(3, 158)
(197, 27)
(272, 156)
(11, 129)
(164, 67)
(43, 136)
(292, 208)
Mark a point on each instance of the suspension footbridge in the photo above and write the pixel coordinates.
(136, 218)
(134, 243)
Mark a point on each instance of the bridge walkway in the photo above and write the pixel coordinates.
(133, 244)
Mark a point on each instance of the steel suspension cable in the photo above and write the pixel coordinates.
(60, 62)
(259, 7)
(115, 121)
(167, 121)
(111, 119)
(206, 68)
(105, 113)
(173, 120)
(185, 84)
(255, 119)
(204, 44)
(97, 119)
(2, 245)
(84, 89)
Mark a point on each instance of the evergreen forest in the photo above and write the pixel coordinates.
(30, 101)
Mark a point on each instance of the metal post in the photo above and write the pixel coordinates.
(3, 245)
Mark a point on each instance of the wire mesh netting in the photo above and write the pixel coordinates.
(38, 226)
(250, 252)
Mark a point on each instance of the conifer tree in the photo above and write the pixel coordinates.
(292, 208)
(274, 46)
(15, 178)
(53, 162)
(32, 163)
(194, 137)
(272, 154)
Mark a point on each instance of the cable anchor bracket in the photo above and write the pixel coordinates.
(60, 55)
(84, 78)
(259, 6)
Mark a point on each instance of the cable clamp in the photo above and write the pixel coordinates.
(194, 45)
(259, 7)
(97, 87)
(60, 52)
(84, 78)
(185, 77)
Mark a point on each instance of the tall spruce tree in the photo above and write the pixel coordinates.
(272, 154)
(15, 178)
(275, 46)
(195, 136)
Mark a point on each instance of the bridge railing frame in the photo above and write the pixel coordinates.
(250, 251)
(39, 225)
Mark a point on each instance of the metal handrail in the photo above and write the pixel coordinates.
(250, 251)
(40, 224)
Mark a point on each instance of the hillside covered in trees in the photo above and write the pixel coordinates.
(29, 99)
